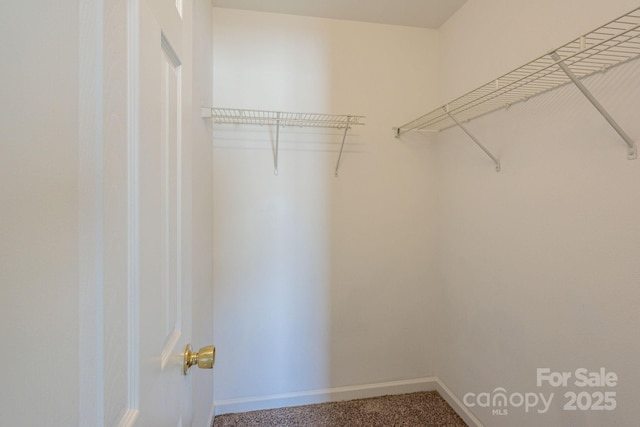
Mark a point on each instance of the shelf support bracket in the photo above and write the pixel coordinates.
(632, 150)
(275, 153)
(205, 112)
(473, 138)
(344, 137)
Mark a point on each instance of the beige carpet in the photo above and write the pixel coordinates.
(423, 409)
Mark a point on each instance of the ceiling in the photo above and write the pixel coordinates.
(412, 13)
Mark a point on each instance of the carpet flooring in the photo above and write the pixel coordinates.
(422, 409)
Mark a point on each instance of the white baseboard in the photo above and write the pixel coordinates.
(457, 405)
(346, 393)
(324, 395)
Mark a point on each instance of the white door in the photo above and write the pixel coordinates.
(148, 220)
(146, 234)
(165, 323)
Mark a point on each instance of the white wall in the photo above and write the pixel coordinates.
(39, 203)
(321, 282)
(538, 263)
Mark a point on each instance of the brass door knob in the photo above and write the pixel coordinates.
(205, 358)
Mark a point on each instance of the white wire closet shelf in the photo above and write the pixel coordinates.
(609, 45)
(263, 117)
(284, 119)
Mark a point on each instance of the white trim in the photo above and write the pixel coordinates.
(324, 395)
(457, 405)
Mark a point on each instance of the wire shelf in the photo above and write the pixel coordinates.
(281, 118)
(609, 45)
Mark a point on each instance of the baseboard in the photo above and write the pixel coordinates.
(457, 405)
(346, 393)
(324, 395)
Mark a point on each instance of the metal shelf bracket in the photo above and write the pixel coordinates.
(344, 137)
(632, 150)
(473, 138)
(275, 152)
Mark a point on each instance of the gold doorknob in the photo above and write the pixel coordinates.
(205, 358)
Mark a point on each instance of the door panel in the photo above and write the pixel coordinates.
(165, 391)
(170, 209)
